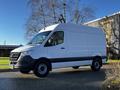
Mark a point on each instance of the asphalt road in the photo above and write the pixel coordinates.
(59, 79)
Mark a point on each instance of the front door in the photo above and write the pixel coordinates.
(56, 46)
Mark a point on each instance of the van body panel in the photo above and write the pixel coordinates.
(71, 64)
(81, 44)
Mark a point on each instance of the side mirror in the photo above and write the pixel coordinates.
(48, 43)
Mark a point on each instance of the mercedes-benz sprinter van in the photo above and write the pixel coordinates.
(60, 46)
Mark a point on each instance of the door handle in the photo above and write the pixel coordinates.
(62, 48)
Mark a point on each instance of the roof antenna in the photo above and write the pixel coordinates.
(61, 19)
(4, 42)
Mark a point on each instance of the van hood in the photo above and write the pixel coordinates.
(23, 48)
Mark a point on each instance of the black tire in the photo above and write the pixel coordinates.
(75, 67)
(41, 69)
(24, 70)
(96, 64)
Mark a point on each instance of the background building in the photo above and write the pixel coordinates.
(111, 27)
(6, 49)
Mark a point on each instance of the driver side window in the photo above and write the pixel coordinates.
(56, 38)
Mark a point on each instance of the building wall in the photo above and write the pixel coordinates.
(111, 27)
(93, 24)
(6, 49)
(5, 52)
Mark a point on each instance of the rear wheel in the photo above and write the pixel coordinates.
(41, 69)
(75, 67)
(96, 64)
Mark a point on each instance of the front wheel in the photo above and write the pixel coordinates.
(96, 65)
(75, 67)
(41, 69)
(24, 70)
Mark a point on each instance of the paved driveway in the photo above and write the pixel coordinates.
(59, 79)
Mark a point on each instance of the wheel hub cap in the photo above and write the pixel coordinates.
(42, 69)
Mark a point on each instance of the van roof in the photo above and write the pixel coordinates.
(68, 26)
(49, 28)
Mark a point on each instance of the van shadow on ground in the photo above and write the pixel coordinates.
(62, 79)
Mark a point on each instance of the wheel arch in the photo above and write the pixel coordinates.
(44, 59)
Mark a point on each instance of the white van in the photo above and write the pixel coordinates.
(60, 46)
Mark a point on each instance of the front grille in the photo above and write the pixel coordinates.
(14, 56)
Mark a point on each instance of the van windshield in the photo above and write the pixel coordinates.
(39, 38)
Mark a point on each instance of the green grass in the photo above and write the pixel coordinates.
(4, 63)
(5, 67)
(4, 60)
(113, 61)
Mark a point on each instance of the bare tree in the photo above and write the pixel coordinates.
(46, 12)
(111, 28)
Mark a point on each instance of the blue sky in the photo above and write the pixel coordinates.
(14, 14)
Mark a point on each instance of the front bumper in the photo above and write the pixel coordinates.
(26, 62)
(23, 62)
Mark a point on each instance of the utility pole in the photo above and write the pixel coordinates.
(64, 7)
(54, 12)
(42, 9)
(4, 42)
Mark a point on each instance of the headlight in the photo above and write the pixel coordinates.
(14, 56)
(26, 53)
